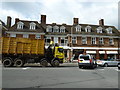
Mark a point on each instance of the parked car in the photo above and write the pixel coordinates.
(86, 61)
(106, 63)
(119, 66)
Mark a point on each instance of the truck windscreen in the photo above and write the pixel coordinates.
(60, 50)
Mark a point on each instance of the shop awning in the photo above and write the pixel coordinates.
(112, 52)
(91, 52)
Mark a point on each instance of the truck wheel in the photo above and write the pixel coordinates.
(7, 62)
(44, 63)
(55, 63)
(18, 62)
(80, 66)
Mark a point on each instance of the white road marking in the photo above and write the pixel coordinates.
(25, 68)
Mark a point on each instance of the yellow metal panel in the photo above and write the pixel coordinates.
(22, 45)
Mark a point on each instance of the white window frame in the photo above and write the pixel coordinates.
(37, 36)
(109, 30)
(47, 43)
(87, 29)
(101, 41)
(32, 26)
(99, 30)
(78, 28)
(74, 40)
(111, 39)
(62, 29)
(25, 35)
(56, 29)
(49, 28)
(93, 40)
(20, 25)
(62, 38)
(84, 40)
(12, 35)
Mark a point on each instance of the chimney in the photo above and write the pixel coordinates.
(43, 19)
(16, 20)
(101, 22)
(75, 21)
(9, 21)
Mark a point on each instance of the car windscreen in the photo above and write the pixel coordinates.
(60, 50)
(84, 57)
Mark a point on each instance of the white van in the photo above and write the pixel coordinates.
(86, 60)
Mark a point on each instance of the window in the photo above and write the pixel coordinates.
(25, 35)
(93, 40)
(12, 35)
(55, 29)
(66, 41)
(99, 30)
(32, 26)
(62, 29)
(101, 41)
(84, 40)
(47, 40)
(37, 36)
(74, 40)
(78, 28)
(62, 41)
(109, 30)
(87, 29)
(49, 28)
(111, 41)
(20, 25)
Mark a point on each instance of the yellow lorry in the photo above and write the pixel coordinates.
(19, 51)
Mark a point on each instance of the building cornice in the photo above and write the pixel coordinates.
(25, 32)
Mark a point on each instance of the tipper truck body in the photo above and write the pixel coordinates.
(19, 51)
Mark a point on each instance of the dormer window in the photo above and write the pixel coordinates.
(62, 29)
(49, 28)
(109, 30)
(87, 29)
(20, 25)
(55, 29)
(99, 30)
(78, 28)
(32, 26)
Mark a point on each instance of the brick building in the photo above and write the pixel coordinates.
(101, 41)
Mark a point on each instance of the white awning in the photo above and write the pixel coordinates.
(112, 52)
(91, 52)
(102, 52)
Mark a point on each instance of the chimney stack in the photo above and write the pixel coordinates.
(16, 20)
(101, 22)
(9, 21)
(75, 21)
(43, 19)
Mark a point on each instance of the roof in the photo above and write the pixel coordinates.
(26, 27)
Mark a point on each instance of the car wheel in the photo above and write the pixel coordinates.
(105, 65)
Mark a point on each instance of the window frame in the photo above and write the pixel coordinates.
(84, 39)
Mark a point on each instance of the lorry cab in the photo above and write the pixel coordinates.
(59, 53)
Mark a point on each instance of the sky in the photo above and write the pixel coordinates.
(62, 11)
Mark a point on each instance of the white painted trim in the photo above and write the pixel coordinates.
(94, 36)
(56, 35)
(24, 33)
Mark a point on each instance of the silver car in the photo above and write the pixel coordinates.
(106, 63)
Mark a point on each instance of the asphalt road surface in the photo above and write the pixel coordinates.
(65, 76)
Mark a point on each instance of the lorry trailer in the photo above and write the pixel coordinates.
(19, 51)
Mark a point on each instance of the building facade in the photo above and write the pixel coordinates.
(101, 41)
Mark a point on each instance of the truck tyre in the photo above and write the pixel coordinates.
(44, 63)
(7, 62)
(18, 62)
(80, 66)
(55, 63)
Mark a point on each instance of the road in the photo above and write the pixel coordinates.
(65, 76)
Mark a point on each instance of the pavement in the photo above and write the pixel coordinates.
(68, 75)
